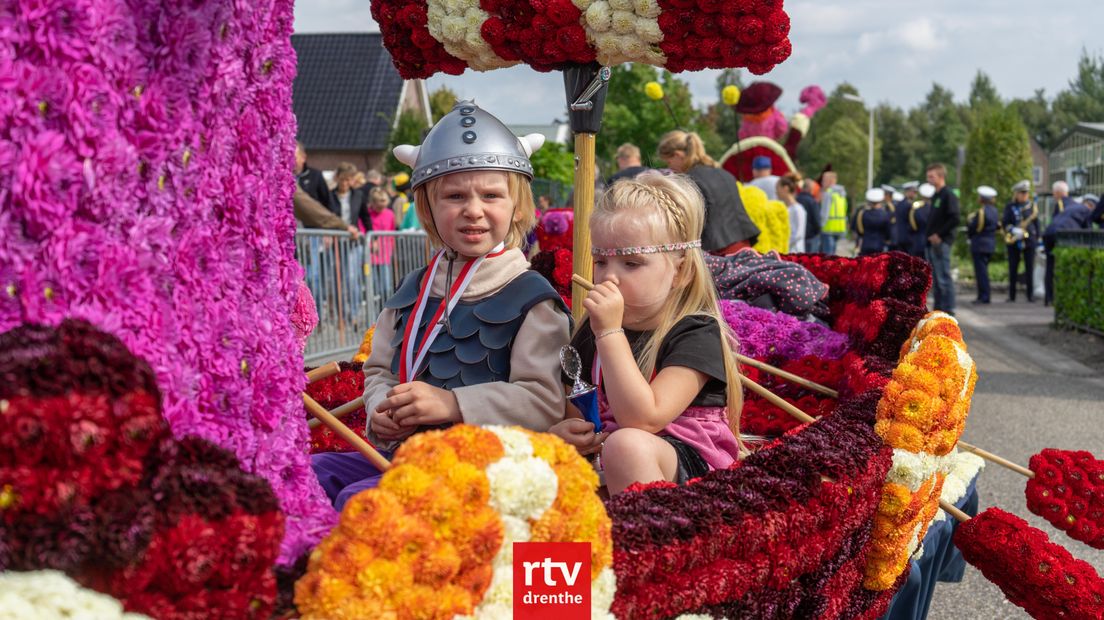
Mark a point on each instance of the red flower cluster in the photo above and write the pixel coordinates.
(1033, 572)
(92, 484)
(760, 540)
(546, 34)
(878, 328)
(710, 34)
(556, 266)
(760, 417)
(414, 51)
(889, 275)
(1068, 491)
(332, 392)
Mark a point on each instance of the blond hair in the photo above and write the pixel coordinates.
(628, 151)
(377, 193)
(523, 220)
(671, 207)
(345, 169)
(690, 144)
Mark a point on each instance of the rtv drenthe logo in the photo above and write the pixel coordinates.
(551, 581)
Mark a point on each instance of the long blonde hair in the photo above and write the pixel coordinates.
(525, 210)
(672, 207)
(690, 144)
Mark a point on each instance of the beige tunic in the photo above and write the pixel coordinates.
(533, 398)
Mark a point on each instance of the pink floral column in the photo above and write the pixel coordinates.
(145, 186)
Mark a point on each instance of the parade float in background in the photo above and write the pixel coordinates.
(154, 445)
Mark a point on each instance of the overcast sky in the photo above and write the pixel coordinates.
(891, 50)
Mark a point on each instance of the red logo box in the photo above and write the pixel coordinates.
(552, 581)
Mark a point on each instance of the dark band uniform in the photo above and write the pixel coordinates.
(1076, 216)
(1025, 216)
(981, 229)
(874, 225)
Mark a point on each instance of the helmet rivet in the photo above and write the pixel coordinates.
(467, 111)
(467, 121)
(468, 137)
(473, 160)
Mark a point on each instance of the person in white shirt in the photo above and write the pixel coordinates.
(787, 189)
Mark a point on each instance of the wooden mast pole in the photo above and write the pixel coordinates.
(583, 263)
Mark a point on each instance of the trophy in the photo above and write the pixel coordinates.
(583, 395)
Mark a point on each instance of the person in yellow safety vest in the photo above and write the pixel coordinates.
(833, 212)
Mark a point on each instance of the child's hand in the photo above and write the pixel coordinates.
(420, 404)
(580, 434)
(606, 307)
(386, 429)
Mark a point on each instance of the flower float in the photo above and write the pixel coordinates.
(921, 415)
(430, 36)
(764, 131)
(435, 540)
(776, 337)
(1034, 573)
(140, 145)
(332, 392)
(770, 216)
(52, 595)
(93, 484)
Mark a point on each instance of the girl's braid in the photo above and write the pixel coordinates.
(675, 213)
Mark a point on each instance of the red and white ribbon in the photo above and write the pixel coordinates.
(411, 359)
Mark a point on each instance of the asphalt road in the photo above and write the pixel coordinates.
(1028, 397)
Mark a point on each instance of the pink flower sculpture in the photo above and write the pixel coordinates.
(145, 186)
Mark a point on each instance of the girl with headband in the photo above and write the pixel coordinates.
(654, 340)
(475, 336)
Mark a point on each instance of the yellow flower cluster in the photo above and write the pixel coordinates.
(365, 350)
(921, 415)
(770, 216)
(435, 539)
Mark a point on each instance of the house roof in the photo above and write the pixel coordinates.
(1092, 129)
(346, 93)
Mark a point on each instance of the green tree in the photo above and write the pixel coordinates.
(838, 136)
(982, 92)
(724, 118)
(408, 130)
(998, 154)
(901, 147)
(944, 125)
(1083, 101)
(441, 102)
(553, 161)
(1037, 117)
(631, 117)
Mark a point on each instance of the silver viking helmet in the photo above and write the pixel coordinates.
(468, 138)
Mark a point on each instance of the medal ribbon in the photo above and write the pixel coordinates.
(410, 362)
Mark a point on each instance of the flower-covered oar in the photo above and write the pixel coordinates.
(788, 376)
(1038, 575)
(1068, 491)
(999, 460)
(326, 370)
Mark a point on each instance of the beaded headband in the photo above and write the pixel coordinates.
(646, 249)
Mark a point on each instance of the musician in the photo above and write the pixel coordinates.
(981, 229)
(1021, 232)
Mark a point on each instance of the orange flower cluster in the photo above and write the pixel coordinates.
(899, 525)
(419, 546)
(427, 542)
(365, 350)
(921, 415)
(925, 403)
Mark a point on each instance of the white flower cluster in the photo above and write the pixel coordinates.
(523, 487)
(960, 471)
(623, 30)
(456, 24)
(52, 595)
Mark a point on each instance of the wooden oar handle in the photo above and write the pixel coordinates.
(327, 370)
(952, 510)
(346, 433)
(989, 456)
(341, 411)
(776, 400)
(788, 376)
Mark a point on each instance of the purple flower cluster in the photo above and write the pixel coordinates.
(778, 337)
(145, 177)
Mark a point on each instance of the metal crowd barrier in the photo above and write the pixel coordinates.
(351, 280)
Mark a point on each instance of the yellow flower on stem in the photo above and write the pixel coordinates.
(654, 91)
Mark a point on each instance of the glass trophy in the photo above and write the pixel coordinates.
(583, 395)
